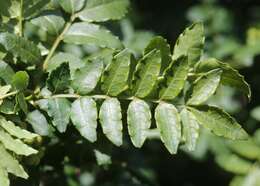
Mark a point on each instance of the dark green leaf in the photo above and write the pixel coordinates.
(20, 47)
(161, 44)
(219, 122)
(146, 74)
(20, 80)
(59, 79)
(72, 6)
(174, 79)
(230, 76)
(190, 43)
(115, 77)
(20, 99)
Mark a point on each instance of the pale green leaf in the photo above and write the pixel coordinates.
(4, 180)
(146, 74)
(16, 131)
(252, 178)
(219, 122)
(50, 21)
(6, 72)
(110, 118)
(20, 80)
(230, 76)
(3, 91)
(174, 79)
(190, 129)
(190, 43)
(86, 78)
(20, 47)
(88, 33)
(204, 87)
(72, 6)
(169, 125)
(38, 122)
(139, 121)
(84, 117)
(9, 163)
(161, 44)
(15, 145)
(233, 163)
(115, 77)
(103, 10)
(59, 110)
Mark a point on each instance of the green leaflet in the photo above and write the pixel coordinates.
(204, 87)
(86, 78)
(115, 77)
(168, 123)
(59, 110)
(20, 80)
(88, 33)
(146, 74)
(16, 131)
(20, 47)
(161, 44)
(255, 113)
(3, 91)
(4, 180)
(15, 145)
(105, 54)
(190, 129)
(190, 43)
(59, 79)
(50, 21)
(219, 122)
(233, 163)
(6, 72)
(38, 122)
(230, 76)
(9, 163)
(61, 57)
(174, 79)
(103, 10)
(84, 117)
(139, 121)
(252, 178)
(72, 6)
(248, 149)
(110, 118)
(33, 7)
(20, 100)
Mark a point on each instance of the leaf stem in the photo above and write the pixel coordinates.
(96, 97)
(9, 94)
(57, 41)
